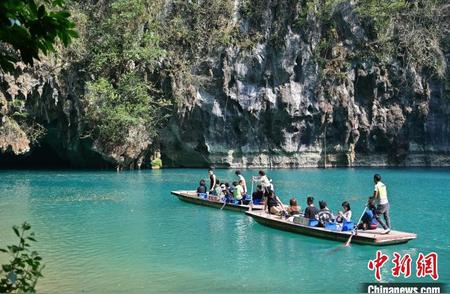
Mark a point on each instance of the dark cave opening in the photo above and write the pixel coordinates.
(42, 156)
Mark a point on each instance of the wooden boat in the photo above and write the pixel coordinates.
(369, 237)
(191, 197)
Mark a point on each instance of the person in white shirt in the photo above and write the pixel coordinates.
(346, 215)
(212, 180)
(264, 181)
(241, 178)
(380, 194)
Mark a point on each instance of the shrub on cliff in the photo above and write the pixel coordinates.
(121, 99)
(113, 110)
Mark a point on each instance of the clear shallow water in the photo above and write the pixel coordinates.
(124, 232)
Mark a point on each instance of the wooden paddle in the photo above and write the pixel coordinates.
(250, 207)
(354, 229)
(224, 203)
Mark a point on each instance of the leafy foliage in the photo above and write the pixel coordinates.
(398, 30)
(25, 268)
(31, 27)
(410, 30)
(111, 111)
(124, 40)
(195, 29)
(121, 97)
(157, 162)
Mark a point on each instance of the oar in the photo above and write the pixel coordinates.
(282, 206)
(250, 207)
(353, 231)
(224, 202)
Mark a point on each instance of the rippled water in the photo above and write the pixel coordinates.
(124, 232)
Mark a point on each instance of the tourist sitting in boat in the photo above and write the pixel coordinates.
(274, 204)
(227, 192)
(217, 194)
(238, 192)
(224, 187)
(218, 190)
(241, 178)
(369, 220)
(324, 215)
(293, 208)
(310, 211)
(201, 190)
(258, 195)
(346, 215)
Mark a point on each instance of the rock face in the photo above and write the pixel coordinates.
(272, 109)
(268, 106)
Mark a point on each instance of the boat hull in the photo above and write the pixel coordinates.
(375, 237)
(191, 197)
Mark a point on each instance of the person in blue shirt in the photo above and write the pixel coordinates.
(369, 220)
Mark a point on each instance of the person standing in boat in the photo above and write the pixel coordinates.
(212, 180)
(241, 178)
(264, 182)
(380, 194)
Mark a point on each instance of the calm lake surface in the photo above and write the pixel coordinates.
(123, 232)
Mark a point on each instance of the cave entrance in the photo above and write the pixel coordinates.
(40, 157)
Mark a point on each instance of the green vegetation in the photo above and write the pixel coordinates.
(24, 268)
(193, 29)
(113, 110)
(30, 27)
(191, 32)
(408, 31)
(156, 163)
(121, 97)
(411, 31)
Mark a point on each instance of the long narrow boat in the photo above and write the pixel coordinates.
(370, 237)
(191, 197)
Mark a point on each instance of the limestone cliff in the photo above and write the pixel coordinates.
(271, 104)
(272, 107)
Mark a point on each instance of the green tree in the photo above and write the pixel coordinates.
(30, 27)
(121, 97)
(113, 110)
(24, 268)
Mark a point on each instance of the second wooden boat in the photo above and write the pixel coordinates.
(369, 237)
(191, 197)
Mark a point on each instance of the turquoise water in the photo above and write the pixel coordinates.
(124, 232)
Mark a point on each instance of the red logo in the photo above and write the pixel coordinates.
(377, 264)
(426, 265)
(402, 265)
